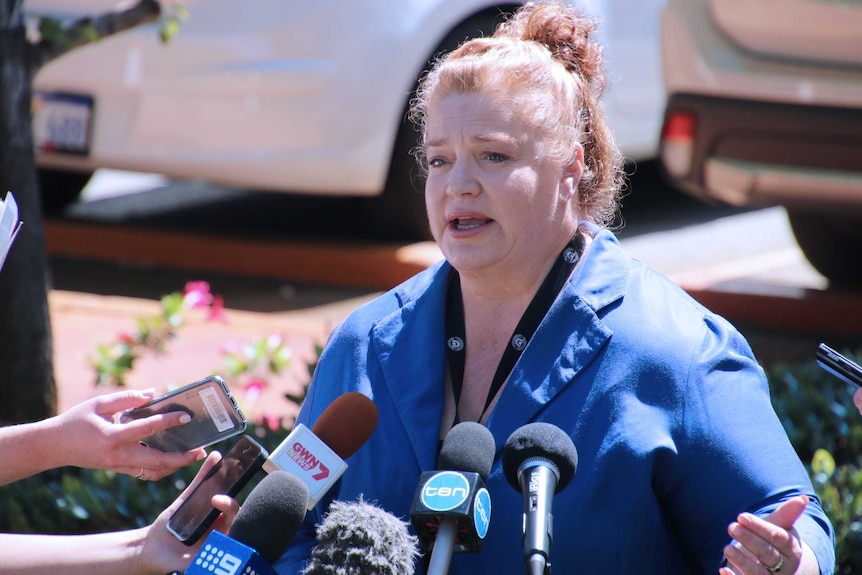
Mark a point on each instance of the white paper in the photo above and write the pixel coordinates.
(9, 224)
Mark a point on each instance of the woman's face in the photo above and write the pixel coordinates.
(495, 201)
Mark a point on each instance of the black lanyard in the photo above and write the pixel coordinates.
(456, 336)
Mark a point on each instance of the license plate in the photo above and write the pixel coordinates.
(62, 123)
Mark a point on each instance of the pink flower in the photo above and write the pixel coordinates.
(272, 421)
(229, 347)
(254, 385)
(252, 390)
(217, 310)
(126, 339)
(197, 294)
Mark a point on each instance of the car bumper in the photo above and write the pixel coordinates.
(753, 153)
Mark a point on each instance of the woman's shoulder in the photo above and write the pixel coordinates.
(610, 273)
(406, 295)
(651, 304)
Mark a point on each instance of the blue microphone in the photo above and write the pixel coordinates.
(221, 555)
(262, 530)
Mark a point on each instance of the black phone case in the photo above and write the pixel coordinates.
(213, 409)
(838, 365)
(189, 522)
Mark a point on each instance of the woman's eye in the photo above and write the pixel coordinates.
(435, 162)
(496, 157)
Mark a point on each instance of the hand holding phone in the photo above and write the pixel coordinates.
(838, 365)
(214, 414)
(196, 514)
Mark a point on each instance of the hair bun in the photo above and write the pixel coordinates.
(565, 33)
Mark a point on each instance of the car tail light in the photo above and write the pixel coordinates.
(677, 142)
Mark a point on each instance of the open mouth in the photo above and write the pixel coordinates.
(465, 224)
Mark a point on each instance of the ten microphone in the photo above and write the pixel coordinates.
(317, 456)
(262, 530)
(539, 459)
(451, 509)
(362, 539)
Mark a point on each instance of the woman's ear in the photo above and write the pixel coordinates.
(572, 175)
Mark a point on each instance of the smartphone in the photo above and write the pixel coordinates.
(213, 409)
(838, 365)
(196, 514)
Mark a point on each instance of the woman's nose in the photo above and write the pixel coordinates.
(463, 180)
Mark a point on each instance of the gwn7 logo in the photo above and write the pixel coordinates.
(307, 461)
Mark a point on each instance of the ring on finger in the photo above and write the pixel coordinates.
(778, 566)
(140, 475)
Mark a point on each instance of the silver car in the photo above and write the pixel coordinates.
(765, 108)
(297, 97)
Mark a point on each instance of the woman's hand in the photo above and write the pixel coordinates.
(771, 545)
(87, 435)
(162, 552)
(857, 399)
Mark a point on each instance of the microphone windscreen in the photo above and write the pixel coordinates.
(271, 515)
(362, 539)
(540, 440)
(470, 447)
(347, 423)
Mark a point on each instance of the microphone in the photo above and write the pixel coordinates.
(539, 459)
(451, 509)
(317, 455)
(262, 530)
(362, 539)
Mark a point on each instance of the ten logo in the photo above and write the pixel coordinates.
(482, 512)
(445, 491)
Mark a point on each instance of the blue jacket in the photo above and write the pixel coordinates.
(668, 409)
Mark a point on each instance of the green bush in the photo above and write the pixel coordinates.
(824, 426)
(816, 409)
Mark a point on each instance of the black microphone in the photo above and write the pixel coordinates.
(539, 459)
(362, 539)
(451, 509)
(261, 532)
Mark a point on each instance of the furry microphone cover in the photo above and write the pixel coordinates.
(358, 538)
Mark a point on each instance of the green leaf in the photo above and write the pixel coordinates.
(234, 364)
(50, 29)
(89, 32)
(172, 304)
(181, 12)
(168, 29)
(823, 462)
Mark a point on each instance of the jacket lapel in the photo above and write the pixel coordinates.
(409, 347)
(567, 340)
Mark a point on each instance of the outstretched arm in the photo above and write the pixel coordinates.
(144, 551)
(86, 435)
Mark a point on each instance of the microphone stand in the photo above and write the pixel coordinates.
(538, 519)
(536, 565)
(444, 545)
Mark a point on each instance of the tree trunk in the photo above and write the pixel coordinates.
(27, 388)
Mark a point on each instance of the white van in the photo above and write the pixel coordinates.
(298, 97)
(765, 108)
